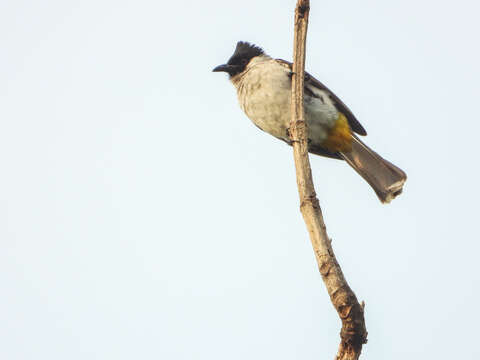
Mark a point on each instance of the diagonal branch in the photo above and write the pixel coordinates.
(353, 334)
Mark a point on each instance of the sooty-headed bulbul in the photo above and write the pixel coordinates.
(264, 88)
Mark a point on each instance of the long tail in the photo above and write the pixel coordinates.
(385, 178)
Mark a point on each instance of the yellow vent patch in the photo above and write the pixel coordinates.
(340, 136)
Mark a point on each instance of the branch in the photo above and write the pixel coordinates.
(353, 334)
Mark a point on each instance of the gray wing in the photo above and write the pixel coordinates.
(311, 81)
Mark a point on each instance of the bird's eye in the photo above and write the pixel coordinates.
(244, 61)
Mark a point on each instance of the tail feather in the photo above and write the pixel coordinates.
(385, 178)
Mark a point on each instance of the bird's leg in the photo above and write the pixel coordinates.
(291, 140)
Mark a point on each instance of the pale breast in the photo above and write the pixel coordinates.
(264, 94)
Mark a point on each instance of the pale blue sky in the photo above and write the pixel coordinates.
(142, 215)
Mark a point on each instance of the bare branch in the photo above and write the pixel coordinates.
(353, 334)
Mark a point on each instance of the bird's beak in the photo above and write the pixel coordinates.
(224, 67)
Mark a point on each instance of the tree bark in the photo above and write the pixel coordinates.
(353, 334)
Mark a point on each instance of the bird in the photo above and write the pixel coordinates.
(263, 86)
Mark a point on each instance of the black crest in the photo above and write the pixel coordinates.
(244, 52)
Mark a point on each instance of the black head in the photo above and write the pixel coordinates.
(244, 52)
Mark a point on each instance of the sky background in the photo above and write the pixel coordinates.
(143, 216)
